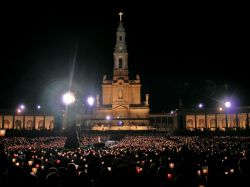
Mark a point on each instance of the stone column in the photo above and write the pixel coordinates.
(146, 102)
(97, 100)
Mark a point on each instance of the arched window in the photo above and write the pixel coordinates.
(120, 38)
(29, 125)
(212, 123)
(40, 124)
(190, 123)
(234, 123)
(51, 124)
(247, 122)
(201, 123)
(223, 123)
(6, 124)
(120, 62)
(18, 124)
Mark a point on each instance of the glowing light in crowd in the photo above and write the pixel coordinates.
(2, 132)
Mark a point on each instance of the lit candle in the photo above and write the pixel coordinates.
(199, 172)
(205, 169)
(30, 162)
(34, 170)
(171, 165)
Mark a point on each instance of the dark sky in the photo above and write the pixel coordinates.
(189, 51)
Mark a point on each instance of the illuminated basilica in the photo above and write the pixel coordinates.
(120, 106)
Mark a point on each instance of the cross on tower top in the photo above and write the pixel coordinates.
(120, 14)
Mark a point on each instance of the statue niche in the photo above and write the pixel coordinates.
(120, 94)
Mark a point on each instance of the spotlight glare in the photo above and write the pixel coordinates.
(90, 101)
(228, 104)
(22, 107)
(19, 110)
(68, 98)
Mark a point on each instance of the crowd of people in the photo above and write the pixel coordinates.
(142, 160)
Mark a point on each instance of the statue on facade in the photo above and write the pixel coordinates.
(120, 94)
(104, 77)
(97, 100)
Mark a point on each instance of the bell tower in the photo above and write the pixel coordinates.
(121, 96)
(120, 54)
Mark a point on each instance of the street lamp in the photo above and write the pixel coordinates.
(72, 140)
(108, 117)
(19, 110)
(200, 105)
(227, 104)
(38, 107)
(90, 101)
(22, 107)
(68, 98)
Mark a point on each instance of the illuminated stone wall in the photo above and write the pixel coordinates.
(219, 121)
(18, 122)
(29, 122)
(8, 122)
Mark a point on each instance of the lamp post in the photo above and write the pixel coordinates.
(200, 105)
(72, 140)
(227, 105)
(108, 118)
(90, 101)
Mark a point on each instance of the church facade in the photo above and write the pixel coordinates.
(120, 105)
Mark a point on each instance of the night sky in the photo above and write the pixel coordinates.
(189, 51)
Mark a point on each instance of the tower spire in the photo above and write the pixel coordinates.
(120, 53)
(120, 14)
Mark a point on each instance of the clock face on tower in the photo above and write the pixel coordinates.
(120, 47)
